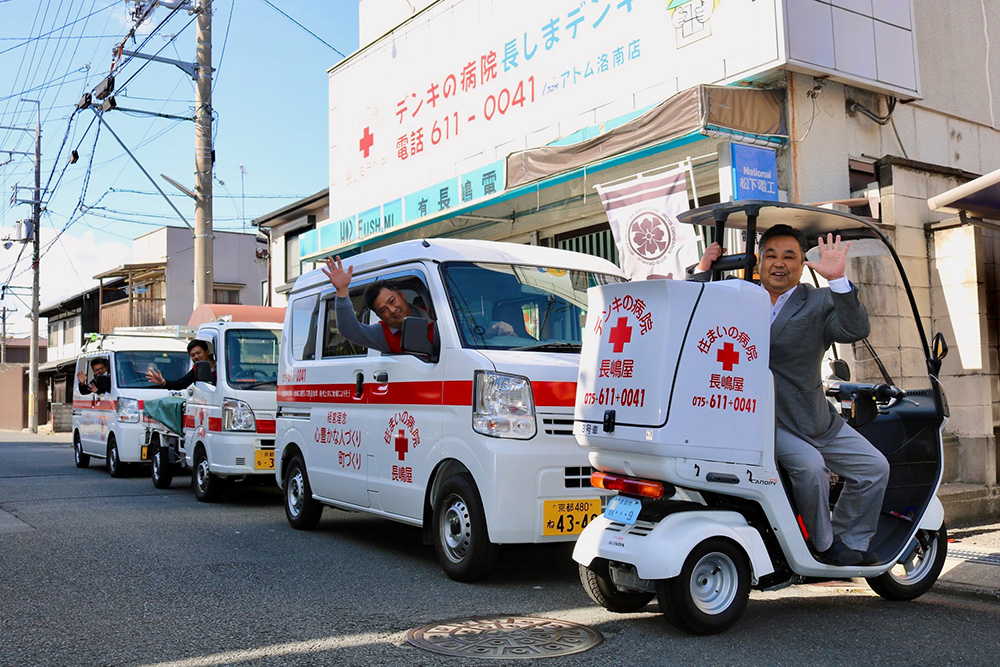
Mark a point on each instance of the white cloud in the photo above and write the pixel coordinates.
(66, 269)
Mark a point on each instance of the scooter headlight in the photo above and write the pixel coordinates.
(503, 406)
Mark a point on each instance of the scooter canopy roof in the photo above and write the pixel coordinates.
(812, 220)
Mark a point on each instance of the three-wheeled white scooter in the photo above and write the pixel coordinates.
(675, 402)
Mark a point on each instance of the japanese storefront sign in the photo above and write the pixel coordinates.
(427, 114)
(747, 172)
(642, 213)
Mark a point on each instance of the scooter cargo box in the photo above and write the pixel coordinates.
(674, 369)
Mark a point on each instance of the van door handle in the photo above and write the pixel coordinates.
(381, 377)
(359, 384)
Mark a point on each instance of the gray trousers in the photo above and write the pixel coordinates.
(865, 473)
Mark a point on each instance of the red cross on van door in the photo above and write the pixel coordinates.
(401, 444)
(728, 356)
(620, 334)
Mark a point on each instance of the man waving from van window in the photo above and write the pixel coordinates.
(101, 384)
(382, 298)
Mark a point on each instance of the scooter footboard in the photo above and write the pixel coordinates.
(658, 550)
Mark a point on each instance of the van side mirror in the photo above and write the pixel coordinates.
(203, 372)
(420, 338)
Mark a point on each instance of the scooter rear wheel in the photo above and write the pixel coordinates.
(602, 590)
(711, 592)
(912, 577)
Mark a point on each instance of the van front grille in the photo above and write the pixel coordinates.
(578, 478)
(240, 461)
(558, 426)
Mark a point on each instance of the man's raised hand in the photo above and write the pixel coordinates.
(832, 258)
(339, 278)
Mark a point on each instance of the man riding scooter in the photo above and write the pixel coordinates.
(811, 438)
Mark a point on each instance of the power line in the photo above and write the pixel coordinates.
(335, 49)
(39, 37)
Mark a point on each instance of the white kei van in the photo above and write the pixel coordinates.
(469, 437)
(110, 425)
(228, 425)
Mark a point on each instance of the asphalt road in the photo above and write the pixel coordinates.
(101, 571)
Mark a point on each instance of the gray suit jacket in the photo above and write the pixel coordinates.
(809, 322)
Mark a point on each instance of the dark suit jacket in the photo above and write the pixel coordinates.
(809, 322)
(102, 382)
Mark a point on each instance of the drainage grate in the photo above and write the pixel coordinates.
(505, 637)
(975, 556)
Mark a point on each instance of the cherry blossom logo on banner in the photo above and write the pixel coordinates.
(649, 235)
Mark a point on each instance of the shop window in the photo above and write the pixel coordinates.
(596, 240)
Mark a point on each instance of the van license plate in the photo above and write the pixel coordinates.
(263, 459)
(623, 510)
(568, 517)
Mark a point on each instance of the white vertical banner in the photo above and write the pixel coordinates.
(642, 213)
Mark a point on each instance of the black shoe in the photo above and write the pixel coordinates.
(840, 554)
(869, 558)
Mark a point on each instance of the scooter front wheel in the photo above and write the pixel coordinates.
(916, 573)
(711, 592)
(602, 590)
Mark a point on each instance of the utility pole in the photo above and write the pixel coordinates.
(204, 280)
(36, 208)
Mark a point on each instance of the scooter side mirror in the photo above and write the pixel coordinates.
(939, 348)
(841, 370)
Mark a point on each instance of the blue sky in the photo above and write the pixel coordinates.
(271, 116)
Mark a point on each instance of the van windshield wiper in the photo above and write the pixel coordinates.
(558, 346)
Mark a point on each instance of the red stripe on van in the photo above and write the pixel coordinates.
(188, 421)
(561, 394)
(84, 404)
(455, 392)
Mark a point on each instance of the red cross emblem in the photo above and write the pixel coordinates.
(367, 139)
(620, 334)
(728, 356)
(402, 444)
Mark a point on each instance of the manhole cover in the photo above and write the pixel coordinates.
(505, 637)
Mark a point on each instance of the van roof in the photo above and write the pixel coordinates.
(464, 250)
(118, 343)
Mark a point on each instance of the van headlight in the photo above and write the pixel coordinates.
(128, 410)
(503, 406)
(237, 416)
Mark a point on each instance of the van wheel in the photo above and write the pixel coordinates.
(460, 536)
(602, 590)
(115, 466)
(206, 485)
(301, 509)
(712, 590)
(914, 576)
(162, 473)
(82, 460)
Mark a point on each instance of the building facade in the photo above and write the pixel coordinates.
(496, 120)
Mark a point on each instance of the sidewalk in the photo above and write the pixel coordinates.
(973, 563)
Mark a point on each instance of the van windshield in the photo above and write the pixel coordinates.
(252, 359)
(515, 307)
(131, 367)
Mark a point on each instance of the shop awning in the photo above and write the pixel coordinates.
(979, 197)
(741, 112)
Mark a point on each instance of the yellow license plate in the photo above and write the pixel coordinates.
(568, 517)
(145, 452)
(263, 459)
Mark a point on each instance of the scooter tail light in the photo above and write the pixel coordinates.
(643, 488)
